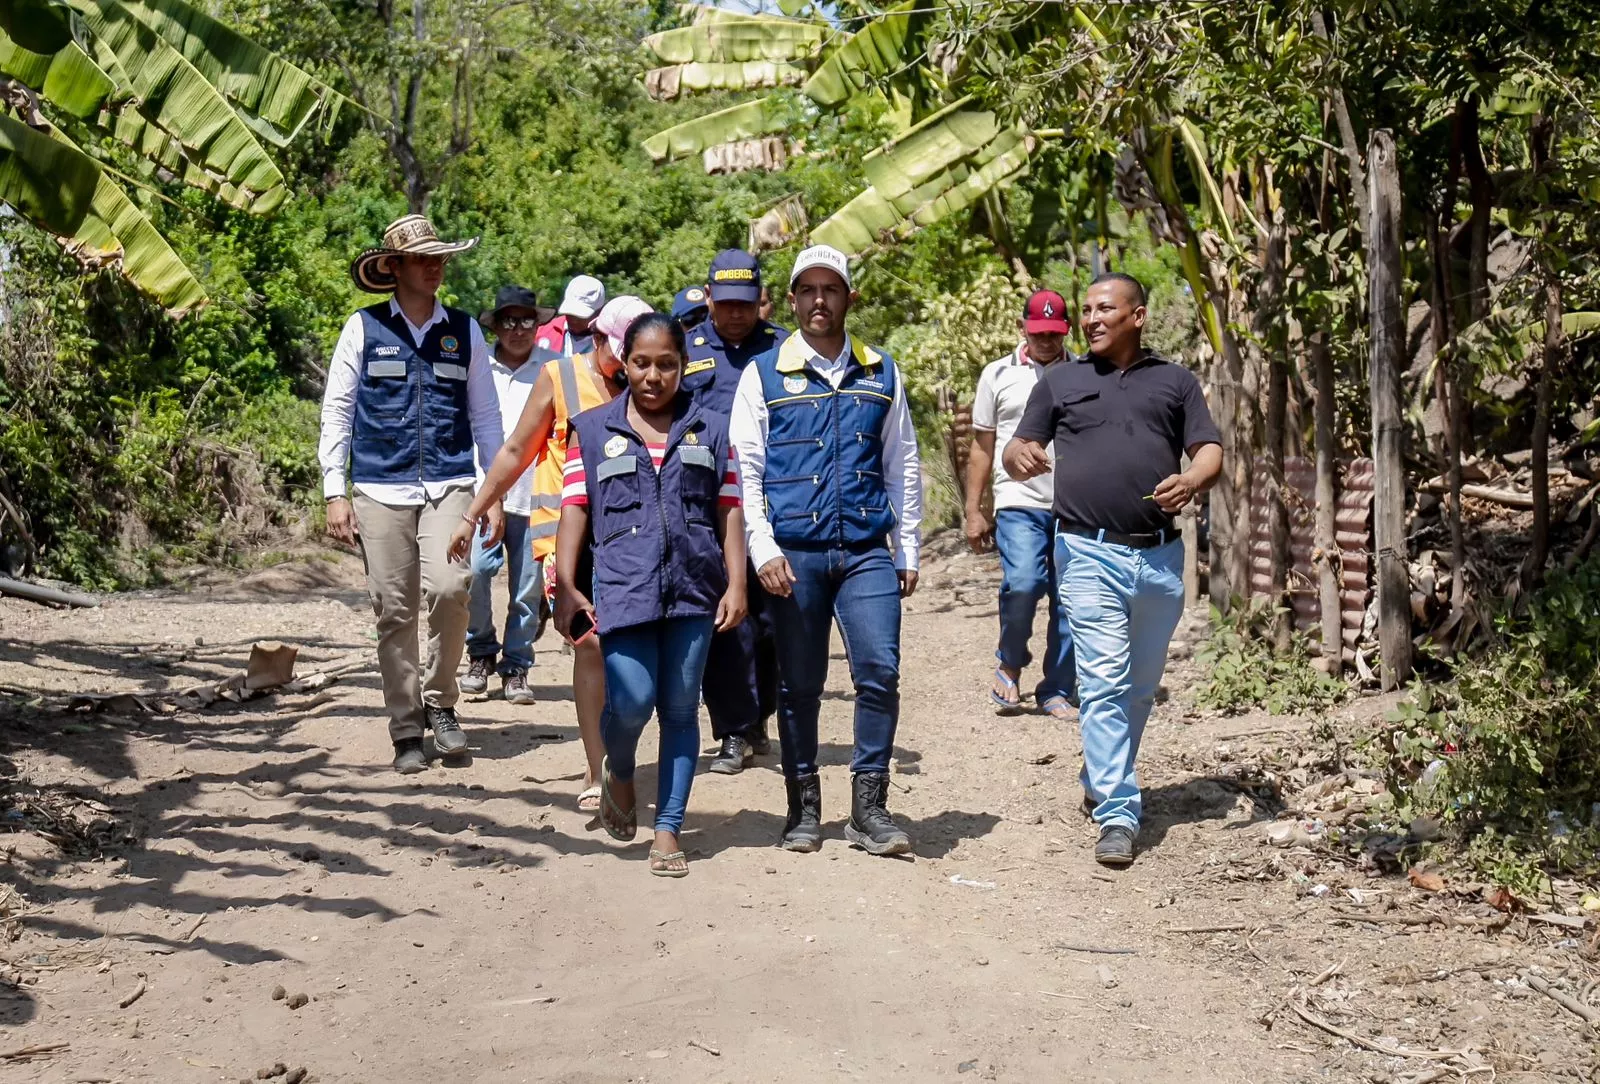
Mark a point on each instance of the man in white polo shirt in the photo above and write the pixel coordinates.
(1023, 526)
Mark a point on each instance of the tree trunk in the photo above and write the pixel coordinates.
(1347, 131)
(1330, 562)
(1447, 375)
(1271, 331)
(1542, 145)
(1388, 344)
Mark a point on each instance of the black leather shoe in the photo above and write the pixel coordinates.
(803, 830)
(1115, 846)
(448, 738)
(869, 826)
(409, 758)
(760, 744)
(734, 756)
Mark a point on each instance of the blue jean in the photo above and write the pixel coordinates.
(656, 667)
(1024, 537)
(1123, 604)
(860, 589)
(524, 580)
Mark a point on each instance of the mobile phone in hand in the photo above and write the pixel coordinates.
(582, 626)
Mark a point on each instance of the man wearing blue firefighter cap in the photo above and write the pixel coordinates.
(689, 307)
(741, 679)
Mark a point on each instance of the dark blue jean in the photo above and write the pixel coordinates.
(1025, 538)
(656, 667)
(741, 683)
(859, 589)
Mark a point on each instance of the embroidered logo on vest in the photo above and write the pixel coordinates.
(616, 446)
(691, 438)
(794, 385)
(450, 344)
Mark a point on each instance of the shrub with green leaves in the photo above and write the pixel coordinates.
(1243, 671)
(1514, 746)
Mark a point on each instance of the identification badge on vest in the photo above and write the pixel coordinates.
(794, 385)
(616, 446)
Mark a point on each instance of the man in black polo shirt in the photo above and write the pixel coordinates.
(1121, 417)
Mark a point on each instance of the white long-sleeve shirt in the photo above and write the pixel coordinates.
(902, 469)
(339, 413)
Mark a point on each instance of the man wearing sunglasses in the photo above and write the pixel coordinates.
(515, 321)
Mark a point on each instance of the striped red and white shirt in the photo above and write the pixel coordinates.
(575, 485)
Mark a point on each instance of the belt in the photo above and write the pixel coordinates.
(1147, 541)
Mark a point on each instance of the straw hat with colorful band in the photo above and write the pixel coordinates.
(412, 235)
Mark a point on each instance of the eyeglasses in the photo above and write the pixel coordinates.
(517, 323)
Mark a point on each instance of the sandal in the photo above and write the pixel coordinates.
(589, 799)
(619, 824)
(1058, 707)
(1013, 698)
(663, 869)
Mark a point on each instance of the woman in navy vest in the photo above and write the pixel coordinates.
(651, 489)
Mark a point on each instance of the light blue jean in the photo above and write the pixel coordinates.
(524, 578)
(656, 667)
(1123, 605)
(1027, 574)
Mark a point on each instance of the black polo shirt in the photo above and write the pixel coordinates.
(1117, 435)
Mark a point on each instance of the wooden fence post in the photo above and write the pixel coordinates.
(1388, 331)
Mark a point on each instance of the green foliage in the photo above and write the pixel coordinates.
(1243, 671)
(1512, 748)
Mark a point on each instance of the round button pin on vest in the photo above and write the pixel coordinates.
(794, 385)
(616, 446)
(691, 438)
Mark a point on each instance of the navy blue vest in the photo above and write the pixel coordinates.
(412, 422)
(824, 472)
(654, 534)
(712, 369)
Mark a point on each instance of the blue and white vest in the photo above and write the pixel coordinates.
(824, 471)
(412, 422)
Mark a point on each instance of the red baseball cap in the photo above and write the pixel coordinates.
(1045, 313)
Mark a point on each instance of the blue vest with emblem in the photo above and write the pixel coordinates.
(653, 533)
(412, 422)
(824, 472)
(712, 368)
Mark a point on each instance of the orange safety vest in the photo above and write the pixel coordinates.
(571, 386)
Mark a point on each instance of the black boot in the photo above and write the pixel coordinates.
(870, 827)
(760, 744)
(803, 830)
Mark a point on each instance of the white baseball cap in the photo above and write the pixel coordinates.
(821, 256)
(585, 297)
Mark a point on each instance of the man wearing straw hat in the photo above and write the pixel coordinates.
(408, 395)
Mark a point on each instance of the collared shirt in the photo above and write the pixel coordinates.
(1118, 434)
(339, 411)
(512, 388)
(1003, 391)
(714, 365)
(902, 470)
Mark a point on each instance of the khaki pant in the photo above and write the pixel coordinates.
(408, 570)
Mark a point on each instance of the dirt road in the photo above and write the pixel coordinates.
(469, 924)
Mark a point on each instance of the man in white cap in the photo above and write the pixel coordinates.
(833, 496)
(569, 333)
(408, 395)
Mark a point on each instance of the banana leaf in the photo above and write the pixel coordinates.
(173, 95)
(40, 26)
(1574, 325)
(728, 41)
(929, 148)
(874, 218)
(278, 96)
(666, 84)
(64, 192)
(747, 120)
(875, 50)
(67, 79)
(151, 142)
(1194, 145)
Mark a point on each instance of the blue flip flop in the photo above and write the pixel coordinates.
(1010, 683)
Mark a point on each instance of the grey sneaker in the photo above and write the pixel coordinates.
(734, 756)
(1115, 846)
(515, 687)
(476, 679)
(448, 738)
(409, 758)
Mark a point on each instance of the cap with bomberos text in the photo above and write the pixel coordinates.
(1045, 314)
(735, 275)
